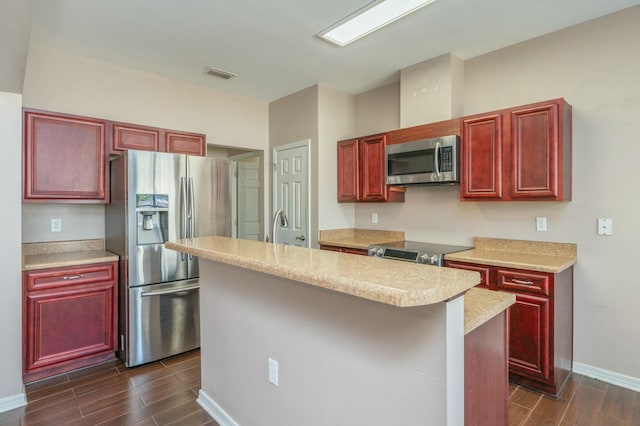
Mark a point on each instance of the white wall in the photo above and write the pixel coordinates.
(595, 67)
(342, 360)
(431, 91)
(10, 252)
(66, 83)
(335, 122)
(294, 118)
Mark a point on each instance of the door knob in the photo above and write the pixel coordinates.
(301, 238)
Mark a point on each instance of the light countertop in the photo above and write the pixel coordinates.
(391, 282)
(358, 238)
(519, 254)
(480, 305)
(64, 253)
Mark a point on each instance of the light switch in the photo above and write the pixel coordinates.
(605, 226)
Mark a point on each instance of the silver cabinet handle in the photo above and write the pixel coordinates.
(523, 282)
(73, 277)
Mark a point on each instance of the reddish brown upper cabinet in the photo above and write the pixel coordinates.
(361, 171)
(521, 153)
(131, 136)
(348, 171)
(69, 318)
(185, 143)
(64, 158)
(540, 323)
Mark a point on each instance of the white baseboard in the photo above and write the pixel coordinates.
(607, 376)
(215, 410)
(11, 402)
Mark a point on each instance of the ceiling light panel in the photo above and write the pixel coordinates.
(369, 19)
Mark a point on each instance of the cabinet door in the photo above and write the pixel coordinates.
(529, 337)
(68, 323)
(482, 141)
(64, 158)
(185, 143)
(373, 184)
(127, 136)
(485, 272)
(348, 166)
(535, 146)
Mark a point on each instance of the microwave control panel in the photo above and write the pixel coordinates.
(446, 159)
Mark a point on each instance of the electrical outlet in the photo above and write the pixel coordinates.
(374, 217)
(56, 224)
(273, 371)
(541, 224)
(605, 226)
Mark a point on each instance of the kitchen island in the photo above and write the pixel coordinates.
(347, 339)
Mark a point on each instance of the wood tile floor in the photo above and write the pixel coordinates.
(165, 392)
(583, 401)
(161, 393)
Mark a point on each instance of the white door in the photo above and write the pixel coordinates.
(291, 193)
(249, 199)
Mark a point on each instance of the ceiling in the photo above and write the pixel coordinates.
(272, 45)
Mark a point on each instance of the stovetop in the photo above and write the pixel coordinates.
(414, 251)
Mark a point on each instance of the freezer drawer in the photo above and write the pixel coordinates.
(164, 320)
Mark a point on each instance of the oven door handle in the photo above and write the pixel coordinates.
(171, 291)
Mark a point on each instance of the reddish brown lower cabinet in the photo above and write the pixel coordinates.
(363, 252)
(486, 376)
(69, 318)
(540, 323)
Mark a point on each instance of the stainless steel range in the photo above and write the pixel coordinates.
(413, 251)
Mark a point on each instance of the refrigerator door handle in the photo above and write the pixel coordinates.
(183, 211)
(192, 213)
(177, 291)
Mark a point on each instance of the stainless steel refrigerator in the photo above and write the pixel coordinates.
(157, 197)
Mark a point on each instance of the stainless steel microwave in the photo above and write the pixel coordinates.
(423, 162)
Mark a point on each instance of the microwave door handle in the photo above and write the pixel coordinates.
(436, 159)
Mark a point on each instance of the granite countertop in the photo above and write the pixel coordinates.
(480, 305)
(64, 253)
(358, 238)
(519, 254)
(391, 282)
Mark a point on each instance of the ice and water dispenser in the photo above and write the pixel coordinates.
(152, 218)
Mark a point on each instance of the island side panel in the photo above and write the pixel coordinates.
(342, 360)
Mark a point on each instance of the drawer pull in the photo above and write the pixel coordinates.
(522, 282)
(73, 277)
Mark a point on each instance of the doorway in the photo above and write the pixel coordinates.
(291, 193)
(247, 196)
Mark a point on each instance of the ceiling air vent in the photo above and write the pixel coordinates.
(220, 73)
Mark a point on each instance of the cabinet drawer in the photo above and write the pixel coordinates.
(62, 277)
(483, 270)
(523, 282)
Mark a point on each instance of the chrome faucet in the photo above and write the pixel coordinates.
(284, 223)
